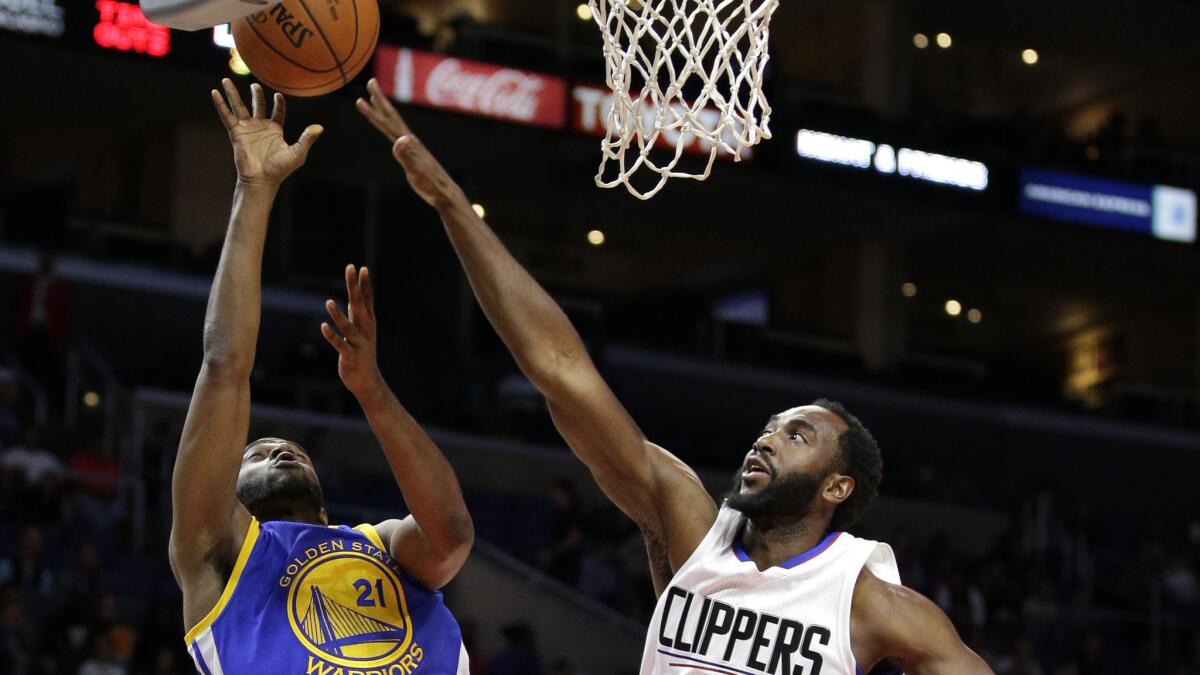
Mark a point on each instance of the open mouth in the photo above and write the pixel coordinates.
(755, 468)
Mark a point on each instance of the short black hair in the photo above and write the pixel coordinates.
(858, 457)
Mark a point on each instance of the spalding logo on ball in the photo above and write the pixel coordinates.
(308, 47)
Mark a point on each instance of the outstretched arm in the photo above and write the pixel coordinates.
(208, 523)
(897, 624)
(654, 488)
(433, 543)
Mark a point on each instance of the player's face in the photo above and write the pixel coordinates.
(275, 473)
(789, 463)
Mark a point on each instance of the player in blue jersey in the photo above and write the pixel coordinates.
(268, 585)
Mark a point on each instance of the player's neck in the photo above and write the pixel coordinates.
(289, 514)
(770, 542)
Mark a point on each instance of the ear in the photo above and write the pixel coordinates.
(838, 488)
(324, 516)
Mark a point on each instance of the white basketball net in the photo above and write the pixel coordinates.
(683, 73)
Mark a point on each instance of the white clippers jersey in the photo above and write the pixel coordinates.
(720, 614)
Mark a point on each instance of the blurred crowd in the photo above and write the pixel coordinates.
(1056, 594)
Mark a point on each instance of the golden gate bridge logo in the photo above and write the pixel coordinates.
(332, 626)
(350, 609)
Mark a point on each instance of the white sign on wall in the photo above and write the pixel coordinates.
(36, 17)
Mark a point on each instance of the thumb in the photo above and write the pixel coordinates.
(310, 136)
(400, 147)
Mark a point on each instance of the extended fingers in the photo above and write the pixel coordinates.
(373, 117)
(280, 111)
(235, 99)
(334, 339)
(381, 102)
(353, 291)
(258, 100)
(368, 292)
(344, 325)
(223, 111)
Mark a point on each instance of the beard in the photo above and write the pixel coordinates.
(273, 490)
(789, 498)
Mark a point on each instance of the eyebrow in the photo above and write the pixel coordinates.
(797, 422)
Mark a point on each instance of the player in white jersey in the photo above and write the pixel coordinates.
(767, 583)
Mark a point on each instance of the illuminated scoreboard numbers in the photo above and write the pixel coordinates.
(123, 27)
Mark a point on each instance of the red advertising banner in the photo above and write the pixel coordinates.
(472, 87)
(590, 106)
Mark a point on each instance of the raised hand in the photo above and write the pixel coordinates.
(259, 151)
(425, 174)
(355, 338)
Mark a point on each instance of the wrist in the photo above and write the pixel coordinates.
(257, 186)
(451, 199)
(371, 390)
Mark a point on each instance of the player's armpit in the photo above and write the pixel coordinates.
(206, 516)
(897, 624)
(417, 555)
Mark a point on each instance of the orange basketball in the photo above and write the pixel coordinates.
(308, 47)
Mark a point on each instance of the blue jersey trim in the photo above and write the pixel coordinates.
(811, 553)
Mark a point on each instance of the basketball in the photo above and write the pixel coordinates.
(308, 47)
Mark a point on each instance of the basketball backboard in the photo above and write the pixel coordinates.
(200, 14)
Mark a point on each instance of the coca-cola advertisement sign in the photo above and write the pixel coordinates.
(472, 87)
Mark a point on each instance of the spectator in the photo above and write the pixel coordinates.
(168, 662)
(1019, 661)
(43, 327)
(31, 459)
(10, 415)
(160, 629)
(17, 655)
(85, 577)
(519, 655)
(27, 570)
(560, 559)
(97, 470)
(103, 660)
(600, 572)
(119, 637)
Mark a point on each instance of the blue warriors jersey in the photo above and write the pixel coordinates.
(313, 600)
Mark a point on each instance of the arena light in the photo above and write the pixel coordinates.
(909, 289)
(942, 169)
(1159, 211)
(479, 210)
(944, 41)
(91, 399)
(953, 307)
(921, 41)
(40, 17)
(236, 64)
(223, 36)
(583, 11)
(974, 316)
(919, 165)
(596, 237)
(1030, 56)
(835, 149)
(123, 27)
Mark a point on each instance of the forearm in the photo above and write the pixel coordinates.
(232, 319)
(531, 324)
(425, 477)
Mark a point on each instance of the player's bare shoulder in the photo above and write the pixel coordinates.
(895, 623)
(685, 509)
